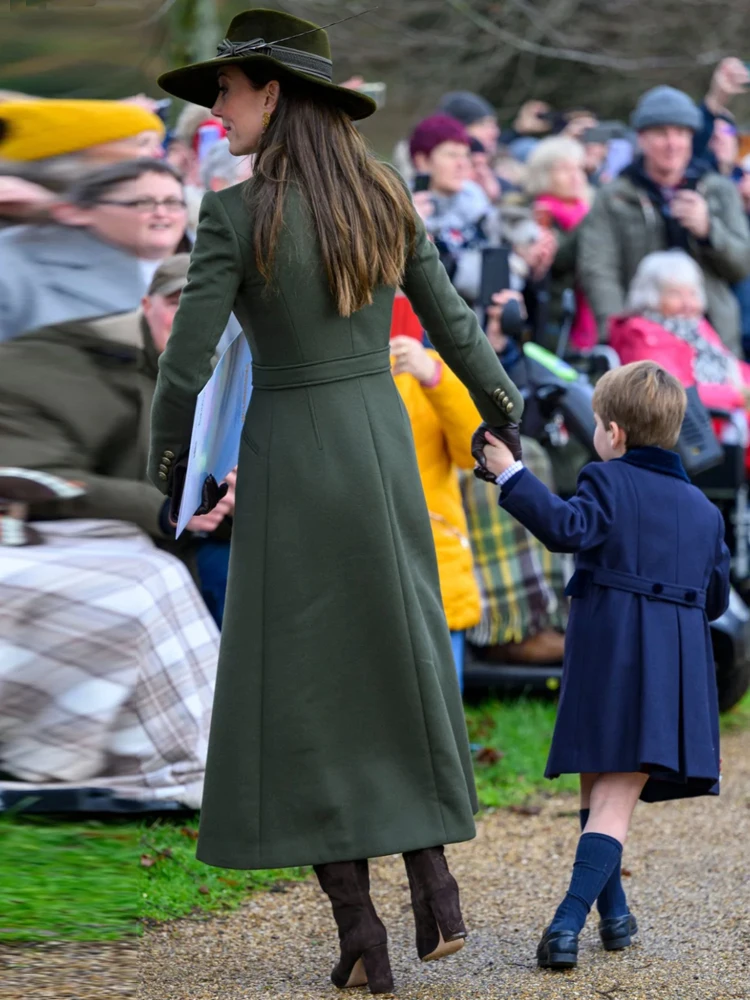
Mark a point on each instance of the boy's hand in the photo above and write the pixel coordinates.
(509, 436)
(498, 456)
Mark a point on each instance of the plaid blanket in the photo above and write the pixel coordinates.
(107, 665)
(522, 584)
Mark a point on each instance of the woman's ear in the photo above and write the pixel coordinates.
(273, 90)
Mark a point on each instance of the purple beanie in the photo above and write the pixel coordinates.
(431, 132)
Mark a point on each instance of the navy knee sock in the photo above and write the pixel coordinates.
(612, 901)
(596, 858)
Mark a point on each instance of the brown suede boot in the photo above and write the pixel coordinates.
(434, 898)
(362, 934)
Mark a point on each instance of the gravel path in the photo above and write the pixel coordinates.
(690, 888)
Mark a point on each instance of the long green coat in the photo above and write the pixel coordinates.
(338, 731)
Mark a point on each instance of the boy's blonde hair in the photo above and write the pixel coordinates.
(645, 401)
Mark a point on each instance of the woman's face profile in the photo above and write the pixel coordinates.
(241, 108)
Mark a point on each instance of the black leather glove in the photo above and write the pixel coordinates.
(510, 435)
(211, 492)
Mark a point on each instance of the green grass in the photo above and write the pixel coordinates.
(69, 881)
(520, 733)
(173, 883)
(93, 881)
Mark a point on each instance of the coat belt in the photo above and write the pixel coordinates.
(672, 593)
(322, 372)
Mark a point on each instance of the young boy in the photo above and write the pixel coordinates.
(638, 715)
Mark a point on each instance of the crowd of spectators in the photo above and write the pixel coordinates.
(642, 225)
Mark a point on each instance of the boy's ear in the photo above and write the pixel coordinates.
(618, 436)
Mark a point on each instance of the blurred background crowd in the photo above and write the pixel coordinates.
(581, 241)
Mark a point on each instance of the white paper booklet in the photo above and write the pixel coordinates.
(219, 415)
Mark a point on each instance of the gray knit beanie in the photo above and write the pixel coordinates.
(466, 107)
(666, 106)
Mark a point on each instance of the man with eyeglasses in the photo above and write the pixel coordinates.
(98, 256)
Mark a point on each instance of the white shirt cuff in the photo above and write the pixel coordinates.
(506, 476)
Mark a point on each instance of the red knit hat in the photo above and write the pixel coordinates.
(435, 130)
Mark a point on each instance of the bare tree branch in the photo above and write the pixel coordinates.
(625, 65)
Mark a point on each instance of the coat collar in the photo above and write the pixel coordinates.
(668, 463)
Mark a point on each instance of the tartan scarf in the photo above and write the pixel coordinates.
(522, 584)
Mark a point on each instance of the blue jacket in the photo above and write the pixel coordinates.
(639, 684)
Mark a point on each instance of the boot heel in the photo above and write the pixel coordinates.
(378, 969)
(446, 912)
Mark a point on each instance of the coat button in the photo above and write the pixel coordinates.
(163, 471)
(657, 589)
(690, 596)
(508, 407)
(162, 475)
(169, 454)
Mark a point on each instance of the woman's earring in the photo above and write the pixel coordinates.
(266, 119)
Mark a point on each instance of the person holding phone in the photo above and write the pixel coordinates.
(557, 182)
(451, 204)
(664, 200)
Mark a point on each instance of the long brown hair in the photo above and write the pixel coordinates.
(361, 209)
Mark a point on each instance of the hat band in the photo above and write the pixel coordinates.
(305, 62)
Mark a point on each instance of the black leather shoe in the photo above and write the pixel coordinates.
(616, 932)
(557, 950)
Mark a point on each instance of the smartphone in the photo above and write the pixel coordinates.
(495, 273)
(376, 91)
(422, 182)
(620, 155)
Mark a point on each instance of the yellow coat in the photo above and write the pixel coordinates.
(443, 420)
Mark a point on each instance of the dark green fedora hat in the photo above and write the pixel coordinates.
(269, 39)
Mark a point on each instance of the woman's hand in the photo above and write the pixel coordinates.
(541, 254)
(412, 359)
(494, 326)
(424, 204)
(224, 508)
(498, 457)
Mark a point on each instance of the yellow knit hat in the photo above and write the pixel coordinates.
(38, 129)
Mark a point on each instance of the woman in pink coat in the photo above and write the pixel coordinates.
(665, 323)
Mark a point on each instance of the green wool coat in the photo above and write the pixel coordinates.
(338, 731)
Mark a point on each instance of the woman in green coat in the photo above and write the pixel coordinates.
(338, 731)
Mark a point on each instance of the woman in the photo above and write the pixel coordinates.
(665, 323)
(454, 208)
(443, 419)
(556, 180)
(338, 732)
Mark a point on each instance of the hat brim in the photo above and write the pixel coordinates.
(170, 287)
(198, 84)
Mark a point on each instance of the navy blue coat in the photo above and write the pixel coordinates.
(639, 682)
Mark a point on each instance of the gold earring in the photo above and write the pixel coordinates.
(266, 119)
